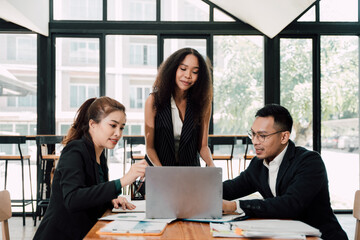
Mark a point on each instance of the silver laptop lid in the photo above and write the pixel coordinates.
(183, 192)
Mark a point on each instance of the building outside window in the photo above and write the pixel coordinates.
(77, 10)
(80, 93)
(143, 54)
(138, 96)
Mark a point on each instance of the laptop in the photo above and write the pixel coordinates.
(183, 192)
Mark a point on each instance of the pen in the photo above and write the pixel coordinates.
(241, 218)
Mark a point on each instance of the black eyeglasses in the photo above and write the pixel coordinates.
(261, 137)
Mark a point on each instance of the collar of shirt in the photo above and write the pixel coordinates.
(172, 101)
(277, 160)
(273, 167)
(176, 121)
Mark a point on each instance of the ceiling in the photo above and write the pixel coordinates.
(268, 16)
(31, 14)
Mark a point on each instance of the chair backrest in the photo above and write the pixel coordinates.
(356, 214)
(5, 213)
(246, 141)
(49, 139)
(223, 140)
(46, 141)
(135, 140)
(12, 139)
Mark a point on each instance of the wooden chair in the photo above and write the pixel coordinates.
(136, 141)
(18, 140)
(222, 141)
(46, 163)
(5, 213)
(356, 214)
(246, 156)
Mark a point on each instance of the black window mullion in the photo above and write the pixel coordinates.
(160, 51)
(102, 62)
(105, 10)
(272, 70)
(316, 94)
(158, 10)
(317, 11)
(45, 86)
(51, 10)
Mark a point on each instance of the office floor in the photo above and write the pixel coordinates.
(18, 232)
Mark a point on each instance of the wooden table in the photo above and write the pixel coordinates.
(175, 230)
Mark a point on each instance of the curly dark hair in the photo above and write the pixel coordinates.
(200, 93)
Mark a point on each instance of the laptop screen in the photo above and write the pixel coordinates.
(183, 192)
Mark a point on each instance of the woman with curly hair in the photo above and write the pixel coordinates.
(177, 113)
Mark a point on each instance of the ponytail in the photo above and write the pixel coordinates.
(81, 123)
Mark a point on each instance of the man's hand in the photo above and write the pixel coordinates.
(229, 206)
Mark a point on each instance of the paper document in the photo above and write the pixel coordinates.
(140, 207)
(269, 228)
(133, 228)
(224, 218)
(134, 217)
(124, 216)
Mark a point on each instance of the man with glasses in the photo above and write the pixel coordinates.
(292, 180)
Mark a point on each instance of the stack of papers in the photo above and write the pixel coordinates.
(270, 228)
(133, 222)
(134, 217)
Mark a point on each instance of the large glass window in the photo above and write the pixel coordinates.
(131, 68)
(335, 10)
(173, 44)
(132, 10)
(18, 85)
(238, 82)
(296, 87)
(138, 95)
(221, 16)
(77, 10)
(18, 112)
(80, 92)
(77, 77)
(308, 16)
(340, 116)
(143, 54)
(184, 10)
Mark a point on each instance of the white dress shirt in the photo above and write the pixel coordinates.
(177, 125)
(273, 167)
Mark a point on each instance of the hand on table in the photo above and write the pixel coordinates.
(122, 202)
(228, 206)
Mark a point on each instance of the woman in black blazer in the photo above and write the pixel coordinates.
(81, 190)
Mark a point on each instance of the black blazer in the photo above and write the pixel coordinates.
(301, 188)
(78, 198)
(164, 138)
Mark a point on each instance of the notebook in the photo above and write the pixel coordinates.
(183, 192)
